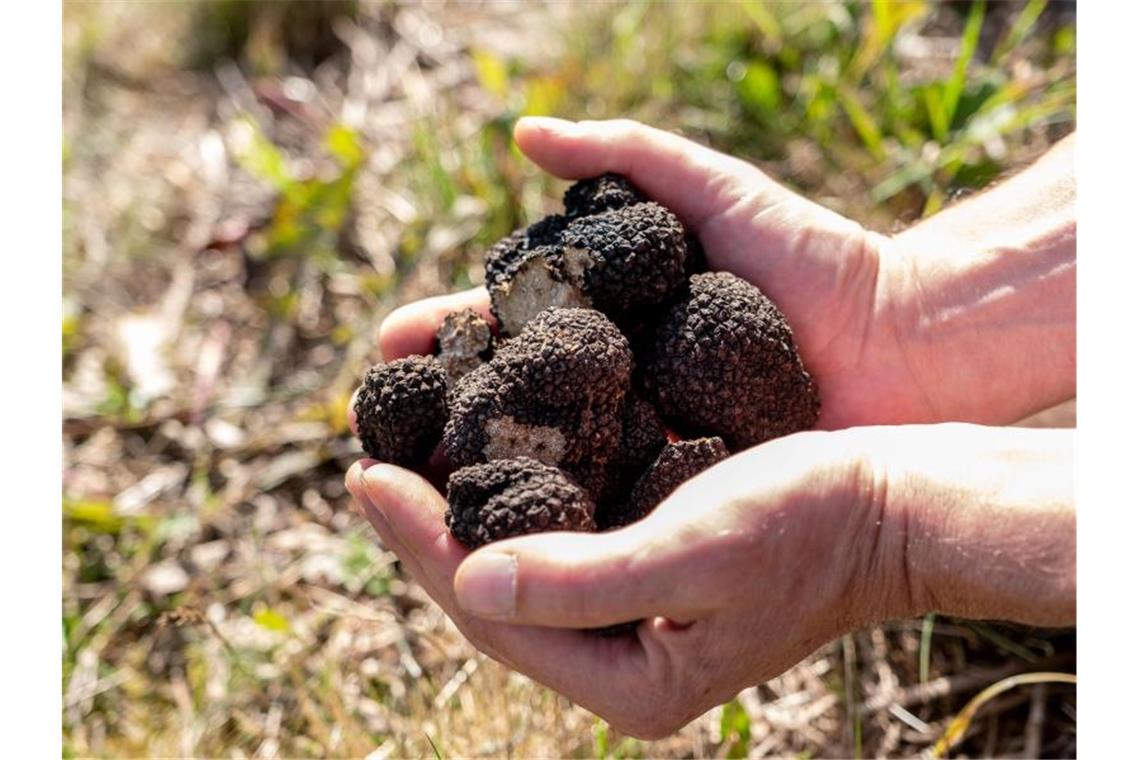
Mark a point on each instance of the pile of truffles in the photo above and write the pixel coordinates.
(618, 368)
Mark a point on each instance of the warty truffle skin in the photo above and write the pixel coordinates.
(401, 409)
(678, 461)
(626, 259)
(601, 193)
(723, 361)
(514, 497)
(642, 438)
(464, 342)
(553, 393)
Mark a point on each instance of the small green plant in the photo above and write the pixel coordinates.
(309, 211)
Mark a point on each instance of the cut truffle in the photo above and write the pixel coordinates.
(506, 255)
(401, 409)
(464, 341)
(602, 193)
(618, 260)
(723, 361)
(514, 497)
(525, 273)
(553, 393)
(676, 463)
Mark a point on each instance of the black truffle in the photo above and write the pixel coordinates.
(695, 259)
(514, 497)
(401, 409)
(525, 273)
(722, 361)
(642, 438)
(602, 193)
(464, 342)
(553, 393)
(626, 259)
(619, 261)
(676, 463)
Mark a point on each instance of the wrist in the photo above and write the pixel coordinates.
(984, 298)
(976, 522)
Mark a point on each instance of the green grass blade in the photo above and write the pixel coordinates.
(1018, 31)
(936, 110)
(924, 648)
(969, 45)
(863, 123)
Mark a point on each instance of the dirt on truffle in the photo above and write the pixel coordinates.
(514, 497)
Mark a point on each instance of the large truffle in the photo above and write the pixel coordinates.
(401, 409)
(553, 393)
(618, 260)
(464, 342)
(676, 463)
(514, 497)
(723, 361)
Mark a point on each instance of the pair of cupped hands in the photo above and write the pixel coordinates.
(752, 565)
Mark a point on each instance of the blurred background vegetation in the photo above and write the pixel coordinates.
(251, 186)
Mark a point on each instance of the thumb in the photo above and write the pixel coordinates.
(585, 580)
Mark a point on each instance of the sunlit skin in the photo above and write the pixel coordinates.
(749, 567)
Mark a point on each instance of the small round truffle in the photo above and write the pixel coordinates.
(464, 341)
(401, 409)
(676, 463)
(514, 497)
(723, 361)
(602, 193)
(553, 393)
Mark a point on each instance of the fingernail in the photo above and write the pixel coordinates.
(486, 584)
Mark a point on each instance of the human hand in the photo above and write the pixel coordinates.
(968, 316)
(755, 563)
(823, 271)
(801, 554)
